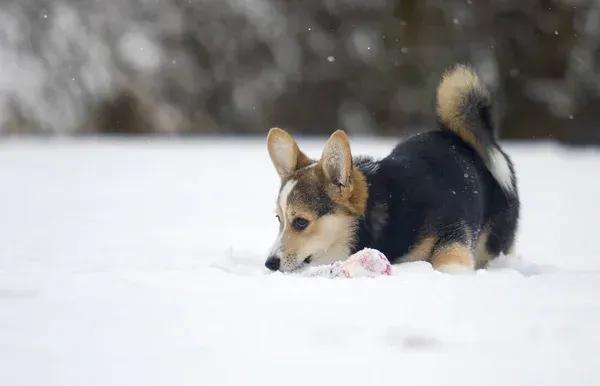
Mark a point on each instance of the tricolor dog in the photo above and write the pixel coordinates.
(448, 196)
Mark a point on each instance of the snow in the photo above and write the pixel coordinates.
(139, 262)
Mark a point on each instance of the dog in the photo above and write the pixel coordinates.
(447, 196)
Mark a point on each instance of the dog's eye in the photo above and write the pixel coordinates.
(300, 223)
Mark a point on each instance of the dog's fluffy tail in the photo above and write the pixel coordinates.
(464, 107)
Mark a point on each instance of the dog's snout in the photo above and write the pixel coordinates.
(273, 263)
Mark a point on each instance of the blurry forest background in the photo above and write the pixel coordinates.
(241, 66)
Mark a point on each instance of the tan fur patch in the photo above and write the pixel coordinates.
(482, 254)
(421, 250)
(453, 254)
(357, 201)
(352, 197)
(456, 84)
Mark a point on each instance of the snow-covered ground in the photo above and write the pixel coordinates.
(139, 262)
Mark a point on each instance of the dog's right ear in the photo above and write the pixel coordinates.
(336, 160)
(285, 153)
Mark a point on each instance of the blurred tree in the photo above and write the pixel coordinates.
(241, 66)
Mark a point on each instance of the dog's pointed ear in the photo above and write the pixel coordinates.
(336, 160)
(285, 153)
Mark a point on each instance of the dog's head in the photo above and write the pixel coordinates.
(319, 202)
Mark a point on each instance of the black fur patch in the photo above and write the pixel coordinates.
(312, 196)
(434, 185)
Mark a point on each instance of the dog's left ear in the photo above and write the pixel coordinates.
(336, 160)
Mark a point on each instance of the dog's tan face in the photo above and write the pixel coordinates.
(318, 205)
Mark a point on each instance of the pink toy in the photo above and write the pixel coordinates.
(364, 263)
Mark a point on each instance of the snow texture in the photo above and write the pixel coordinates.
(140, 262)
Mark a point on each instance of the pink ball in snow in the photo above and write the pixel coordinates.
(367, 262)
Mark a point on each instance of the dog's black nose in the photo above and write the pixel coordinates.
(272, 263)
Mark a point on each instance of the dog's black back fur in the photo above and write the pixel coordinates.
(434, 184)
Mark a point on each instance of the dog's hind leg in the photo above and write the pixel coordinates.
(451, 256)
(454, 248)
